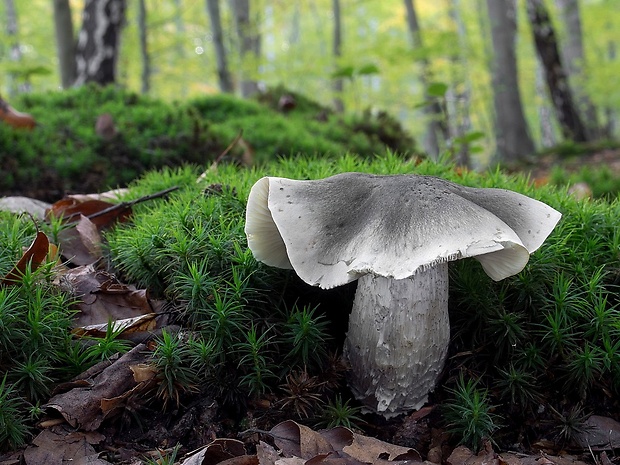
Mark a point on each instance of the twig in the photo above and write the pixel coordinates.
(123, 205)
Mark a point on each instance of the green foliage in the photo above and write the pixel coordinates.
(469, 413)
(13, 429)
(339, 413)
(64, 153)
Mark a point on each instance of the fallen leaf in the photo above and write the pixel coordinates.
(60, 444)
(299, 440)
(600, 433)
(82, 406)
(101, 213)
(219, 451)
(15, 118)
(266, 454)
(34, 256)
(102, 298)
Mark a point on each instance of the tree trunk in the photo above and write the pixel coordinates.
(555, 75)
(574, 58)
(98, 42)
(435, 116)
(545, 113)
(513, 139)
(610, 111)
(458, 102)
(249, 44)
(226, 83)
(15, 53)
(337, 52)
(65, 42)
(144, 51)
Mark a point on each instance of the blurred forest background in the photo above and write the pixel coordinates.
(478, 77)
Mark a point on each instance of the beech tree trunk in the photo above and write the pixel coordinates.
(436, 127)
(512, 137)
(223, 73)
(98, 42)
(249, 45)
(144, 51)
(555, 75)
(337, 52)
(574, 59)
(545, 113)
(65, 42)
(15, 53)
(458, 101)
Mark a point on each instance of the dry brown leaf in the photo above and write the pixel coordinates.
(34, 256)
(266, 454)
(101, 213)
(82, 406)
(299, 440)
(60, 444)
(125, 326)
(102, 298)
(219, 451)
(15, 118)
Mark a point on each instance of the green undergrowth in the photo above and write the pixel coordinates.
(525, 351)
(544, 339)
(64, 153)
(35, 339)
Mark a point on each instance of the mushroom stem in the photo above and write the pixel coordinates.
(398, 338)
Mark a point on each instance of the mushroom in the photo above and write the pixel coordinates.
(395, 235)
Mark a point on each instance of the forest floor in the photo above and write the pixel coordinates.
(138, 434)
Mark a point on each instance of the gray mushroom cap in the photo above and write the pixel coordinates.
(334, 230)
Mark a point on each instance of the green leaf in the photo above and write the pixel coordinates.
(437, 89)
(344, 72)
(368, 69)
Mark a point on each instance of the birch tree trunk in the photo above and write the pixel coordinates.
(555, 75)
(337, 52)
(65, 42)
(145, 77)
(512, 135)
(98, 42)
(574, 59)
(249, 46)
(223, 73)
(435, 128)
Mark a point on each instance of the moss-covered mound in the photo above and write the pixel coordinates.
(67, 153)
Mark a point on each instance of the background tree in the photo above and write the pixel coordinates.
(99, 41)
(555, 75)
(574, 58)
(144, 51)
(65, 42)
(435, 127)
(15, 53)
(511, 132)
(337, 51)
(249, 40)
(223, 73)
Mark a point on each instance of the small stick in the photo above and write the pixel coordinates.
(124, 205)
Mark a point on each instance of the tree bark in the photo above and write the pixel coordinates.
(337, 52)
(458, 102)
(545, 113)
(144, 51)
(512, 136)
(555, 75)
(436, 127)
(224, 77)
(249, 44)
(65, 42)
(15, 53)
(574, 58)
(98, 42)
